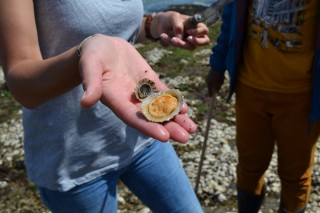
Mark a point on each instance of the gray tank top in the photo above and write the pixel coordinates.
(65, 144)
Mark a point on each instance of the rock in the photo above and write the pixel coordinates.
(154, 56)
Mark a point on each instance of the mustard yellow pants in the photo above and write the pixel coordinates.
(265, 119)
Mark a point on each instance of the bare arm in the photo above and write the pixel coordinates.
(31, 79)
(109, 69)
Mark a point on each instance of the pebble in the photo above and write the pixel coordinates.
(3, 184)
(153, 56)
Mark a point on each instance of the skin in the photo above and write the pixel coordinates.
(107, 64)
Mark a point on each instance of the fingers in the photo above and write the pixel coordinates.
(186, 123)
(178, 129)
(179, 34)
(178, 25)
(198, 36)
(176, 42)
(154, 130)
(188, 43)
(198, 41)
(200, 31)
(134, 118)
(177, 133)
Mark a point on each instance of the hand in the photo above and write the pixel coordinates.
(214, 81)
(111, 68)
(171, 29)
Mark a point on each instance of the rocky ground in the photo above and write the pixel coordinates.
(217, 186)
(179, 69)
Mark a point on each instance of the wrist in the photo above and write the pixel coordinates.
(79, 47)
(147, 28)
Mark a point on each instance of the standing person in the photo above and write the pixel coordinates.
(271, 50)
(75, 153)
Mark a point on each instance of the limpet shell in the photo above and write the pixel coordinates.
(144, 88)
(162, 106)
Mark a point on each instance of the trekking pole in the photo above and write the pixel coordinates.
(204, 145)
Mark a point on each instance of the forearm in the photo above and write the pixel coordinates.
(33, 82)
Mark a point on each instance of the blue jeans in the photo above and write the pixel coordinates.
(155, 176)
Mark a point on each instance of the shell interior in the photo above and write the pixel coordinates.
(162, 106)
(144, 88)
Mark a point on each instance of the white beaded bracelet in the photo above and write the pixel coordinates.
(80, 45)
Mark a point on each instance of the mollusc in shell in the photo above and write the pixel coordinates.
(162, 106)
(144, 88)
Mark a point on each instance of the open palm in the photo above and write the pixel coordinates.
(111, 69)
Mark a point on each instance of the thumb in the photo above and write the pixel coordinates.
(92, 84)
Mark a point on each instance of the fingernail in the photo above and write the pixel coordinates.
(163, 132)
(174, 39)
(179, 36)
